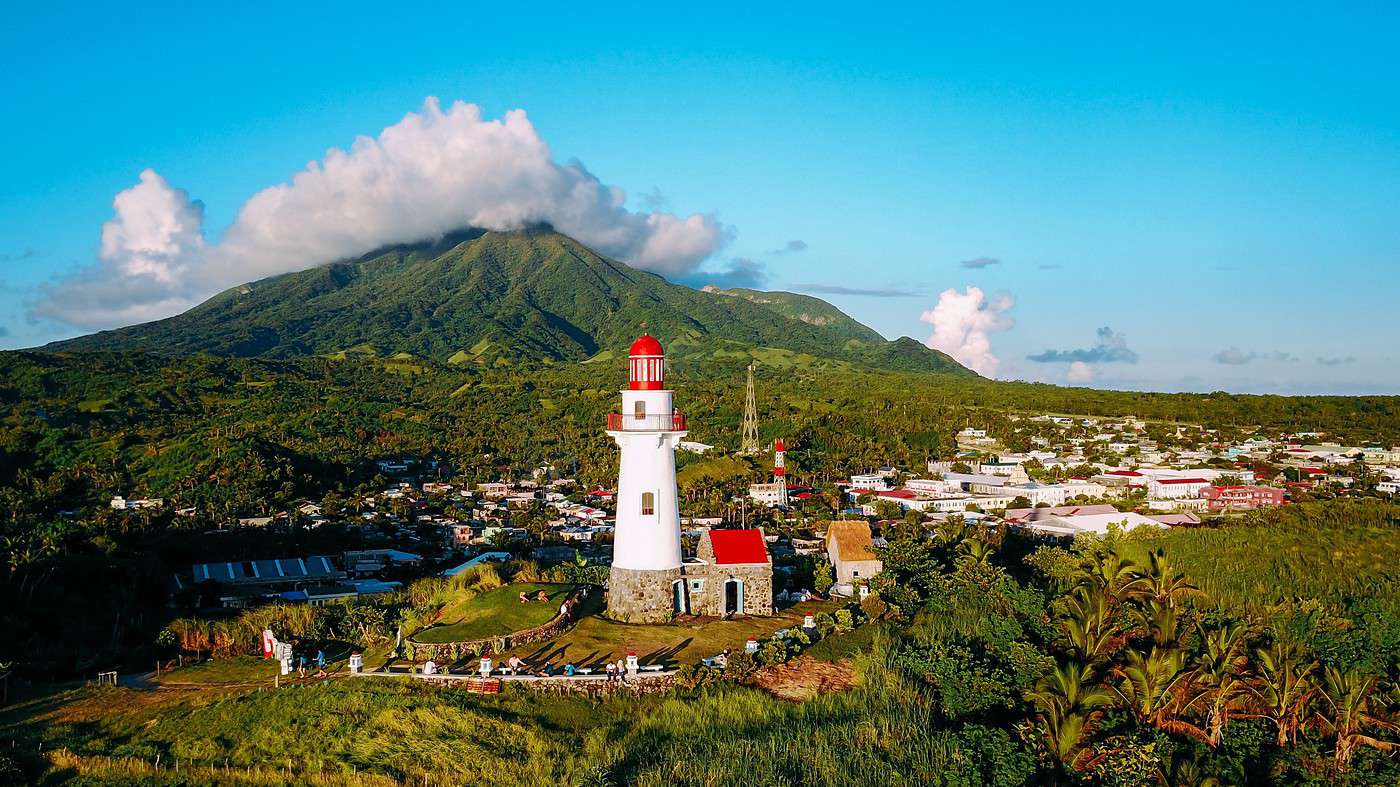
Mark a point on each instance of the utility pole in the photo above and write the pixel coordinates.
(748, 443)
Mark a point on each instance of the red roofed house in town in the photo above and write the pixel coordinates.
(1242, 498)
(732, 574)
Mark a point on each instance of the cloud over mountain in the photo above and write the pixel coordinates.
(1111, 347)
(742, 272)
(432, 172)
(962, 324)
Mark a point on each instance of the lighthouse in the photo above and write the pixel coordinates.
(646, 584)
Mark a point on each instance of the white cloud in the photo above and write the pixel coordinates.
(1080, 372)
(961, 324)
(431, 173)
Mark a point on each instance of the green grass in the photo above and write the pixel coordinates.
(595, 640)
(846, 646)
(366, 730)
(496, 612)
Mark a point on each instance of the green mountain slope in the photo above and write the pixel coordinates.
(494, 297)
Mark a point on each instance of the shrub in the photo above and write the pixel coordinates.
(741, 666)
(844, 620)
(873, 606)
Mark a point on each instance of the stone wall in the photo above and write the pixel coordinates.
(709, 601)
(455, 651)
(641, 596)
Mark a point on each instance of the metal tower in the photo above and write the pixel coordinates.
(748, 443)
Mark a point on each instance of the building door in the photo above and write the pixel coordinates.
(679, 603)
(733, 597)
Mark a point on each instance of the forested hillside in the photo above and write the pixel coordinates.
(492, 297)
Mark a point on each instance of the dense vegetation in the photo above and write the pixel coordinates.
(998, 662)
(1262, 652)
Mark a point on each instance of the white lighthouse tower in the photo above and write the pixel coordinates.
(646, 585)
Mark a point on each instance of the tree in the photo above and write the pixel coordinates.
(1349, 710)
(822, 576)
(1068, 702)
(1219, 685)
(1282, 689)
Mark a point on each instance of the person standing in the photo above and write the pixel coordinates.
(320, 662)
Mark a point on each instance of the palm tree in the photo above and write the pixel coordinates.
(1282, 688)
(1161, 582)
(1088, 625)
(1069, 701)
(977, 550)
(1349, 709)
(1150, 685)
(1219, 685)
(1111, 573)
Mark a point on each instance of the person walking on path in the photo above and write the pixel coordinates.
(301, 665)
(321, 663)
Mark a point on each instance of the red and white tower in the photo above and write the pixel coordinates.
(780, 470)
(645, 585)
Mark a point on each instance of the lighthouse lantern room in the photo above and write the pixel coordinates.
(646, 569)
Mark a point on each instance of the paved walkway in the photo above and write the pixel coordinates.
(456, 676)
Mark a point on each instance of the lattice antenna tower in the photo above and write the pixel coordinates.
(748, 443)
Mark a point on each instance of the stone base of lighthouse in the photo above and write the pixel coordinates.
(637, 596)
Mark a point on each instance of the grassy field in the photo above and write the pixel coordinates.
(496, 612)
(1337, 555)
(595, 640)
(358, 731)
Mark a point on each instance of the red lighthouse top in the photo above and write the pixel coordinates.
(647, 364)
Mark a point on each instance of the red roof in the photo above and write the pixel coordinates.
(1132, 473)
(739, 546)
(1181, 481)
(645, 345)
(902, 494)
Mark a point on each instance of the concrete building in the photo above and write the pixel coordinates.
(1174, 488)
(1038, 494)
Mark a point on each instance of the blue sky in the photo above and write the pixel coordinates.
(1220, 189)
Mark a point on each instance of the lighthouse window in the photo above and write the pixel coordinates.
(639, 410)
(648, 503)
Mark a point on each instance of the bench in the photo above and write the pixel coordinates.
(484, 685)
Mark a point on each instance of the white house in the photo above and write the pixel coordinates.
(1175, 488)
(1080, 487)
(1047, 494)
(932, 486)
(1090, 523)
(875, 482)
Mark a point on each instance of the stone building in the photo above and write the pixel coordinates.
(731, 574)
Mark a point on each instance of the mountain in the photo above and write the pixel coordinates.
(491, 297)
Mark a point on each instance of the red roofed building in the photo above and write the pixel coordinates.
(1242, 498)
(732, 574)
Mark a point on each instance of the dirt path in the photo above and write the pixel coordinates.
(805, 677)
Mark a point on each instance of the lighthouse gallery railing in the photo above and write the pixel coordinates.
(623, 422)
